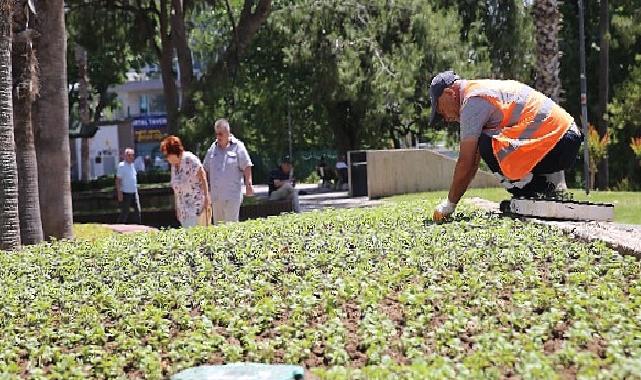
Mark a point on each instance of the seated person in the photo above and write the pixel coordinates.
(281, 184)
(323, 172)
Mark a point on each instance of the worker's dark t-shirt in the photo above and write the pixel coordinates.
(278, 174)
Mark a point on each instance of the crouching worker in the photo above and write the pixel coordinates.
(281, 184)
(524, 137)
(189, 182)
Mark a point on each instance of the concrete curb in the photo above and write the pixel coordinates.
(623, 238)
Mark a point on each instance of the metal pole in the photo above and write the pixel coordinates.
(584, 100)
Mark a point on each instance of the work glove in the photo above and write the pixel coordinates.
(444, 210)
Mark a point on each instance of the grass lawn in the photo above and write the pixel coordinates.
(627, 204)
(91, 231)
(376, 293)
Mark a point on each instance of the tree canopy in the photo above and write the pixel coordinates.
(350, 74)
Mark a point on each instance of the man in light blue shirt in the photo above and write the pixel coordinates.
(226, 163)
(127, 188)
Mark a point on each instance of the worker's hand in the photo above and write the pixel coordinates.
(444, 210)
(249, 190)
(119, 196)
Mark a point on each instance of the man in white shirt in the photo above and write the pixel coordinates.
(227, 163)
(127, 188)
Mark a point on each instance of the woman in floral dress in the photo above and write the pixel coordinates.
(189, 182)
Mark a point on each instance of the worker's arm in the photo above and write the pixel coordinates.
(249, 187)
(280, 182)
(465, 170)
(206, 163)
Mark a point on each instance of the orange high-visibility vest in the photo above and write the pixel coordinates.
(532, 123)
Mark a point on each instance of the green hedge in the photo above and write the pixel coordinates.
(103, 182)
(362, 294)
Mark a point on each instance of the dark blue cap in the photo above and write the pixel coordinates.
(439, 83)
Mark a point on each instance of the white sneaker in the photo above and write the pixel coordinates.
(558, 179)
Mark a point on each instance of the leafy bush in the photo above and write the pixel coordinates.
(598, 147)
(635, 145)
(625, 121)
(101, 182)
(379, 293)
(313, 177)
(108, 181)
(154, 176)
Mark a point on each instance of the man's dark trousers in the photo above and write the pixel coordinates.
(129, 200)
(561, 157)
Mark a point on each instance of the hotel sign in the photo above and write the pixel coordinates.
(149, 128)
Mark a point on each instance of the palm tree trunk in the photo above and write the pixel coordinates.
(604, 58)
(25, 90)
(547, 24)
(547, 21)
(9, 217)
(51, 122)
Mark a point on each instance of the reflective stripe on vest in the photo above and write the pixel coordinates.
(531, 126)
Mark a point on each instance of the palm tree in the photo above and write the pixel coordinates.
(51, 121)
(547, 21)
(9, 219)
(25, 90)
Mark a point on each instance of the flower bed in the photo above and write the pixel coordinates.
(363, 293)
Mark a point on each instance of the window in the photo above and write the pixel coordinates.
(143, 102)
(157, 104)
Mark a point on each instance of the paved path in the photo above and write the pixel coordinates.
(315, 198)
(128, 228)
(334, 199)
(624, 238)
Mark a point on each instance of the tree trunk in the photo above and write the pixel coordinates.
(546, 20)
(604, 53)
(83, 108)
(104, 98)
(185, 62)
(346, 122)
(9, 216)
(25, 89)
(51, 122)
(165, 55)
